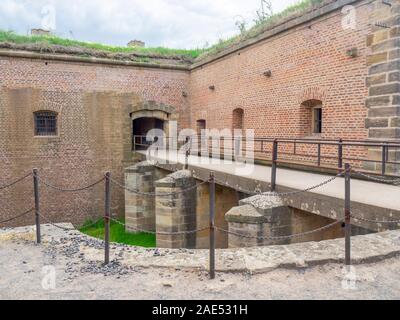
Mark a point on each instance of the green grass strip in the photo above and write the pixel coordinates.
(119, 235)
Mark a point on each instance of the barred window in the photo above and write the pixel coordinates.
(45, 123)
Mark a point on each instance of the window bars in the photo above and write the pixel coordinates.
(45, 123)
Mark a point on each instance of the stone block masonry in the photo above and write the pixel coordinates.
(266, 217)
(383, 82)
(258, 216)
(140, 209)
(176, 210)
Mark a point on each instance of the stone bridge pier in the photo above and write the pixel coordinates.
(166, 208)
(139, 209)
(176, 210)
(180, 205)
(258, 217)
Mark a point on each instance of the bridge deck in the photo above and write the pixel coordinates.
(364, 192)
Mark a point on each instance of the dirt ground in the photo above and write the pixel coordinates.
(26, 272)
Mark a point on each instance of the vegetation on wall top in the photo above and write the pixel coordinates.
(264, 23)
(55, 44)
(49, 43)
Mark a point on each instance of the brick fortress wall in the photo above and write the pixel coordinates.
(93, 103)
(308, 62)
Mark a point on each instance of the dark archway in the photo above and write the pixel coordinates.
(141, 127)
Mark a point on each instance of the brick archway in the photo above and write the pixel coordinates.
(150, 115)
(312, 93)
(153, 109)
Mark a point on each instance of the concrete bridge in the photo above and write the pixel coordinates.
(261, 215)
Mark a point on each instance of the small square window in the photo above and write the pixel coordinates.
(45, 123)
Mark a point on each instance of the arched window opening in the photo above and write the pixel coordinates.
(45, 123)
(312, 114)
(238, 118)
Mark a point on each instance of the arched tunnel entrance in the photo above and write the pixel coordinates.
(141, 127)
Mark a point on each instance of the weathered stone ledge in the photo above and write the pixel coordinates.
(90, 60)
(365, 249)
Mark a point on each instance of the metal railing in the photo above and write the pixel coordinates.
(144, 142)
(314, 153)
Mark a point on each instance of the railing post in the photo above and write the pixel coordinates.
(347, 216)
(319, 154)
(274, 165)
(107, 218)
(187, 152)
(37, 204)
(212, 226)
(340, 154)
(384, 159)
(134, 143)
(237, 147)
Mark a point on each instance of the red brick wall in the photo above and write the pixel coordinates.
(94, 104)
(306, 63)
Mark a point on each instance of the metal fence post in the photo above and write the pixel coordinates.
(187, 153)
(347, 216)
(212, 226)
(238, 148)
(319, 154)
(384, 159)
(37, 204)
(107, 218)
(274, 165)
(340, 154)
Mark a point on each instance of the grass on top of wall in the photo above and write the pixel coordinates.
(261, 26)
(12, 37)
(118, 234)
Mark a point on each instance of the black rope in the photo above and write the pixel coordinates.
(15, 182)
(19, 216)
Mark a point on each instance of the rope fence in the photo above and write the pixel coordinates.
(61, 189)
(280, 194)
(15, 182)
(212, 227)
(278, 238)
(18, 216)
(375, 221)
(395, 182)
(155, 194)
(177, 233)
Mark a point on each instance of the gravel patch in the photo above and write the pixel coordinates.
(80, 273)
